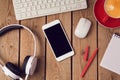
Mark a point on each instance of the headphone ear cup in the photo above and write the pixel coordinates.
(13, 68)
(25, 64)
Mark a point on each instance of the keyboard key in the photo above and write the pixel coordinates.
(23, 1)
(17, 1)
(27, 0)
(28, 9)
(28, 14)
(23, 15)
(74, 6)
(47, 5)
(39, 2)
(71, 1)
(35, 3)
(67, 2)
(19, 6)
(30, 3)
(46, 11)
(25, 4)
(33, 8)
(52, 4)
(43, 6)
(84, 4)
(54, 0)
(57, 4)
(63, 8)
(23, 10)
(68, 7)
(78, 6)
(49, 1)
(18, 16)
(62, 3)
(33, 13)
(45, 1)
(79, 0)
(17, 11)
(38, 7)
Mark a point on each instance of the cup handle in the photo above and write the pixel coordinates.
(105, 18)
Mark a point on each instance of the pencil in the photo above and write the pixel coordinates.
(89, 63)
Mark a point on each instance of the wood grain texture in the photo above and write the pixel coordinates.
(59, 70)
(27, 44)
(17, 44)
(79, 45)
(104, 37)
(9, 43)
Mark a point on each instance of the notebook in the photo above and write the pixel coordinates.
(111, 58)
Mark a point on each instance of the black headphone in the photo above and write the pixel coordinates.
(30, 62)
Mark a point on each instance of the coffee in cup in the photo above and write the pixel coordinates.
(112, 8)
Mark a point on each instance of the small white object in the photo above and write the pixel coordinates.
(111, 58)
(82, 28)
(47, 7)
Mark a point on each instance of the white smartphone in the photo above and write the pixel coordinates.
(58, 40)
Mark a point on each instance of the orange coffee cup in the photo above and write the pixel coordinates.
(112, 8)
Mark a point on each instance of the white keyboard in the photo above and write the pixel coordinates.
(25, 9)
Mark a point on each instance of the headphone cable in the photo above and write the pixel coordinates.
(26, 77)
(21, 79)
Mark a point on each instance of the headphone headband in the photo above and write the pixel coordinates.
(17, 26)
(9, 28)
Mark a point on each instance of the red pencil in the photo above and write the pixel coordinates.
(89, 63)
(86, 53)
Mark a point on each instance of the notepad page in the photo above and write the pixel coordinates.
(111, 58)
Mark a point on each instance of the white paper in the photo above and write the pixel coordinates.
(111, 58)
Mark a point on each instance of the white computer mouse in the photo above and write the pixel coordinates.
(82, 28)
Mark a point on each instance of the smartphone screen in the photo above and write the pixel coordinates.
(58, 40)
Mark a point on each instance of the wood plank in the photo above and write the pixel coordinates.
(9, 43)
(59, 70)
(79, 45)
(104, 36)
(26, 45)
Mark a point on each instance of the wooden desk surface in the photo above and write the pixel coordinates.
(15, 45)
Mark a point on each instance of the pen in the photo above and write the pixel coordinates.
(89, 63)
